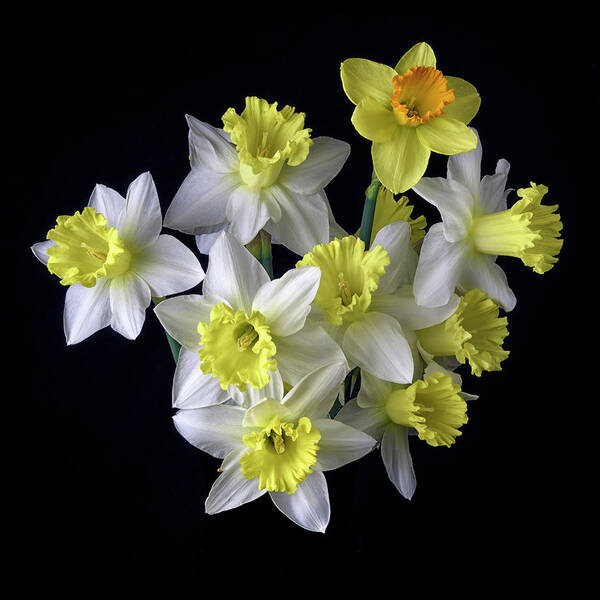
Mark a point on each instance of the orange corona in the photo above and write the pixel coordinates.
(419, 95)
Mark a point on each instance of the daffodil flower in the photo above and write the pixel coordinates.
(477, 227)
(365, 301)
(408, 112)
(433, 408)
(244, 328)
(113, 259)
(262, 170)
(280, 446)
(474, 332)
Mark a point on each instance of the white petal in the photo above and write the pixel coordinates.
(440, 266)
(308, 349)
(340, 444)
(216, 430)
(108, 202)
(232, 489)
(483, 273)
(314, 395)
(261, 413)
(395, 240)
(304, 220)
(493, 189)
(376, 343)
(129, 299)
(466, 168)
(180, 317)
(204, 241)
(397, 460)
(248, 210)
(200, 202)
(412, 316)
(87, 310)
(324, 161)
(373, 391)
(191, 387)
(39, 250)
(252, 396)
(454, 201)
(371, 420)
(140, 222)
(335, 229)
(168, 266)
(210, 147)
(285, 302)
(233, 273)
(309, 506)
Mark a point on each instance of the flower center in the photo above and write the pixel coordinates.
(281, 455)
(86, 249)
(419, 95)
(528, 230)
(345, 293)
(432, 406)
(474, 332)
(265, 139)
(349, 276)
(237, 348)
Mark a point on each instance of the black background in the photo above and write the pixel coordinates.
(102, 484)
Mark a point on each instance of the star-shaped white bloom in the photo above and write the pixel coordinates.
(448, 259)
(243, 329)
(272, 177)
(114, 260)
(281, 445)
(477, 227)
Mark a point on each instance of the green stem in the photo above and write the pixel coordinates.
(366, 225)
(174, 345)
(260, 248)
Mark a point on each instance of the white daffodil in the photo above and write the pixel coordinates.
(365, 301)
(114, 260)
(262, 170)
(244, 328)
(433, 408)
(477, 227)
(281, 445)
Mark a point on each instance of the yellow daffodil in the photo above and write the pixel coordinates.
(408, 112)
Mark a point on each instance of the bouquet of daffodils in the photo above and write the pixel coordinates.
(363, 343)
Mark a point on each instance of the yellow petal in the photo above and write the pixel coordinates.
(373, 121)
(446, 136)
(362, 78)
(420, 54)
(401, 162)
(466, 100)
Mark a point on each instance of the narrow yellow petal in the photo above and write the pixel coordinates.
(420, 54)
(401, 162)
(373, 121)
(466, 100)
(362, 78)
(446, 136)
